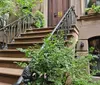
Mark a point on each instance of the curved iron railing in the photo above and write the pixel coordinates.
(64, 26)
(14, 29)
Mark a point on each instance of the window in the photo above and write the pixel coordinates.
(95, 44)
(97, 2)
(89, 3)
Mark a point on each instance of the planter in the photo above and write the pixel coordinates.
(91, 12)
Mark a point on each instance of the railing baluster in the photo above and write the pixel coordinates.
(24, 25)
(65, 29)
(19, 28)
(6, 38)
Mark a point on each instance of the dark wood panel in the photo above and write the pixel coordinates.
(56, 10)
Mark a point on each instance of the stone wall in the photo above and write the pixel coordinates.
(89, 26)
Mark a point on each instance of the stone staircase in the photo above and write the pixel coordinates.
(9, 70)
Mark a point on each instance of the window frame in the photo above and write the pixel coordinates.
(87, 2)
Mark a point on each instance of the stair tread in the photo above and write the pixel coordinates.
(30, 37)
(35, 29)
(14, 59)
(11, 71)
(4, 83)
(35, 42)
(8, 50)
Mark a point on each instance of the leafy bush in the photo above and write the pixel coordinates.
(39, 19)
(57, 64)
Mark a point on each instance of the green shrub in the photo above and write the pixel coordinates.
(39, 19)
(55, 60)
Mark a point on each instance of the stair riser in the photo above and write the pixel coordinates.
(9, 64)
(33, 34)
(14, 46)
(13, 54)
(18, 46)
(29, 40)
(8, 79)
(36, 31)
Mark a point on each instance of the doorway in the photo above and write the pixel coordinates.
(94, 46)
(56, 9)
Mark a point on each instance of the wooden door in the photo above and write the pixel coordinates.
(56, 8)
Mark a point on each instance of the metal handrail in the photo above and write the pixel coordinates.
(14, 29)
(64, 25)
(67, 20)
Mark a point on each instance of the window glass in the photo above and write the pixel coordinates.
(89, 3)
(98, 2)
(94, 43)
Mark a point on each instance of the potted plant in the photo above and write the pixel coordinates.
(90, 11)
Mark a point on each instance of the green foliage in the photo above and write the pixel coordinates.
(56, 59)
(17, 7)
(39, 19)
(53, 60)
(25, 6)
(7, 6)
(97, 9)
(94, 8)
(21, 64)
(91, 49)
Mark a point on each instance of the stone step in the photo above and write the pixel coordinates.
(34, 34)
(9, 75)
(15, 45)
(39, 29)
(29, 39)
(11, 53)
(9, 70)
(4, 83)
(12, 62)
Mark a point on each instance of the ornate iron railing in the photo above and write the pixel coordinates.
(64, 26)
(14, 29)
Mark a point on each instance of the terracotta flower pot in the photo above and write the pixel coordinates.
(91, 12)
